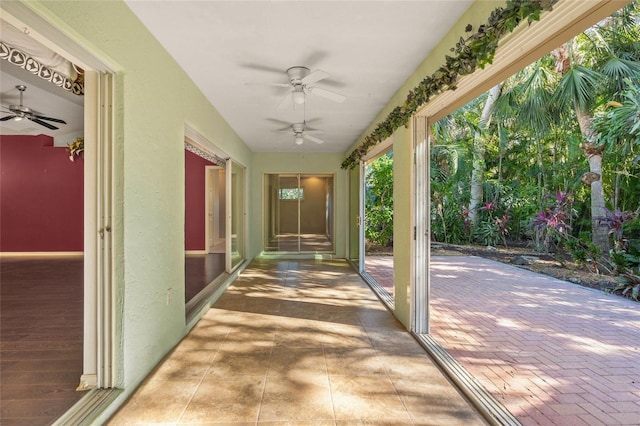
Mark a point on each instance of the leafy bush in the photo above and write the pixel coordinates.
(552, 225)
(584, 252)
(449, 221)
(487, 233)
(379, 201)
(629, 285)
(491, 228)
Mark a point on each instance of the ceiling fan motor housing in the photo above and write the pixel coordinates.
(20, 112)
(296, 74)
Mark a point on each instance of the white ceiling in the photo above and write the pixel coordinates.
(235, 50)
(43, 97)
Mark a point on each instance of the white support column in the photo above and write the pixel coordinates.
(420, 294)
(89, 378)
(361, 228)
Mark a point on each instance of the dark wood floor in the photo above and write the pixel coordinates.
(41, 317)
(41, 306)
(200, 270)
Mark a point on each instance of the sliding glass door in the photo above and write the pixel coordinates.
(299, 213)
(236, 216)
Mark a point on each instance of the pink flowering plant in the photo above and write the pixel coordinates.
(492, 227)
(553, 224)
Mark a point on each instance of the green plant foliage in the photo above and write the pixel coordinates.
(584, 252)
(487, 233)
(449, 223)
(379, 201)
(629, 285)
(619, 125)
(476, 51)
(534, 157)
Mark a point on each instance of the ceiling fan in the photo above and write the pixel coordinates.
(301, 82)
(301, 132)
(20, 112)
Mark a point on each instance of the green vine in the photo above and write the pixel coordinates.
(476, 51)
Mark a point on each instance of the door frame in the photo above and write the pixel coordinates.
(101, 360)
(377, 151)
(271, 210)
(212, 206)
(231, 209)
(421, 207)
(99, 356)
(517, 50)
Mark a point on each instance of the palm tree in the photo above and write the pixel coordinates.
(478, 170)
(594, 67)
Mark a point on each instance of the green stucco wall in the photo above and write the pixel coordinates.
(402, 223)
(154, 101)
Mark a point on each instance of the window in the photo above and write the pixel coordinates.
(291, 193)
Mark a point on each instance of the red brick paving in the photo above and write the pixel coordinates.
(552, 352)
(381, 269)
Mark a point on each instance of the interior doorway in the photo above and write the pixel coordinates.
(55, 331)
(299, 213)
(41, 239)
(215, 225)
(205, 222)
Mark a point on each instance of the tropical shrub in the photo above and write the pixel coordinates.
(552, 225)
(379, 201)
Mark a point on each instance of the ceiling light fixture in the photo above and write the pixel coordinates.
(299, 140)
(298, 95)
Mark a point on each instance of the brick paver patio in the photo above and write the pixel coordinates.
(552, 352)
(381, 269)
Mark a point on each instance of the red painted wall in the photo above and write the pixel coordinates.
(194, 215)
(41, 196)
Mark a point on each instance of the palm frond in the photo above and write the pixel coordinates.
(579, 87)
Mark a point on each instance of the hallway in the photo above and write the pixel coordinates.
(297, 342)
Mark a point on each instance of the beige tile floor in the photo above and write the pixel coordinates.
(297, 343)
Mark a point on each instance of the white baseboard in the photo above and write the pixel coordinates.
(9, 254)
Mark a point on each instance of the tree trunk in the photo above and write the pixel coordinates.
(478, 171)
(599, 232)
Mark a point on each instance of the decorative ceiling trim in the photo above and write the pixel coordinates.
(521, 48)
(218, 161)
(18, 58)
(201, 146)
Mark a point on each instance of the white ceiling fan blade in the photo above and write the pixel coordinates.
(258, 84)
(311, 130)
(312, 138)
(312, 121)
(280, 123)
(327, 94)
(285, 102)
(315, 76)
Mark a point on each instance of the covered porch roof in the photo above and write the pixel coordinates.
(362, 57)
